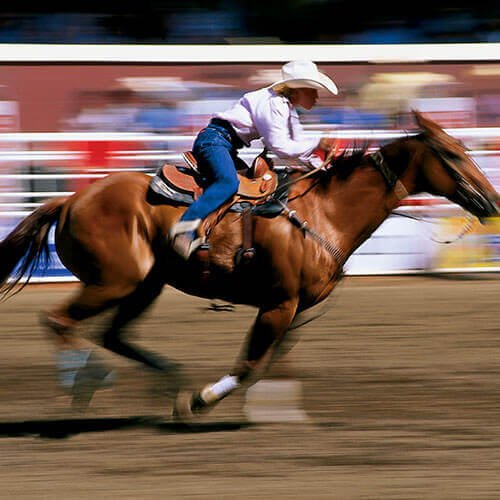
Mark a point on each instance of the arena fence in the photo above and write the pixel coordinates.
(43, 161)
(401, 245)
(245, 53)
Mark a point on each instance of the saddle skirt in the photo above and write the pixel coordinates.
(183, 185)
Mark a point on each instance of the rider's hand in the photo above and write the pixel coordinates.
(327, 143)
(330, 147)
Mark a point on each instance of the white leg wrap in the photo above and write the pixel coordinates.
(212, 393)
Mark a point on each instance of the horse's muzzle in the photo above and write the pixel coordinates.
(475, 202)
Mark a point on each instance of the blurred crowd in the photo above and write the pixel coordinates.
(171, 110)
(223, 21)
(180, 105)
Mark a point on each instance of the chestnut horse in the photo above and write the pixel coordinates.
(114, 241)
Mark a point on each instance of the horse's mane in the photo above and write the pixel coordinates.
(345, 164)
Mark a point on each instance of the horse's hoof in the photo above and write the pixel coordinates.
(95, 375)
(182, 411)
(83, 394)
(169, 383)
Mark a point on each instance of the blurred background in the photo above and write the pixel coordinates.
(224, 21)
(64, 125)
(400, 377)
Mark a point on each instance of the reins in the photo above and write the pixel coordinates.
(470, 220)
(292, 216)
(340, 257)
(283, 187)
(393, 183)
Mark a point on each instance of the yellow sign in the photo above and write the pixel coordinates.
(478, 249)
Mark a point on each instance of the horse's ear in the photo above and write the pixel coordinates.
(426, 124)
(438, 136)
(418, 118)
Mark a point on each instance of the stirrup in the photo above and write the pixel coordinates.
(181, 243)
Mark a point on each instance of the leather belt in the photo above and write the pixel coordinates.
(235, 139)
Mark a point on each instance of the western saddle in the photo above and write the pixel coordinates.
(257, 185)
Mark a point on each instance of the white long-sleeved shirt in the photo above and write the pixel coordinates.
(263, 114)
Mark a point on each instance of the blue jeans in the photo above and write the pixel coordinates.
(217, 157)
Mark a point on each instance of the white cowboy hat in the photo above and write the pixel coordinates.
(298, 74)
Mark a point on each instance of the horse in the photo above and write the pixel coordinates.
(115, 242)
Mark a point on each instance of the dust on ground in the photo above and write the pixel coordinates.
(401, 383)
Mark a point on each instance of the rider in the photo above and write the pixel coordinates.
(268, 114)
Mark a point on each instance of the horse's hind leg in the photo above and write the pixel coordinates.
(79, 366)
(129, 309)
(266, 335)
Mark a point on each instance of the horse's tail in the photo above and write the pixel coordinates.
(28, 246)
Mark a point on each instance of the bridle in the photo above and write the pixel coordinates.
(389, 176)
(466, 193)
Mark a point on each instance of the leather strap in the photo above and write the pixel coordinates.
(390, 178)
(247, 226)
(248, 251)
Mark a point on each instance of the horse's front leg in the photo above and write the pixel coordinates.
(265, 336)
(264, 342)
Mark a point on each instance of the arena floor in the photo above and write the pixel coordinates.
(401, 382)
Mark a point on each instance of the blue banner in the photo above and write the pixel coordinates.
(55, 271)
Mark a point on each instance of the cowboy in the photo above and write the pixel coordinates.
(268, 114)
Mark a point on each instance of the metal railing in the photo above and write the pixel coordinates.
(20, 202)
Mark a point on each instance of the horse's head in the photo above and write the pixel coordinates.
(454, 174)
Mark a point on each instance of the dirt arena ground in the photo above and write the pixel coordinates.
(401, 382)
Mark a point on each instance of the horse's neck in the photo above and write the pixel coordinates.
(404, 158)
(352, 209)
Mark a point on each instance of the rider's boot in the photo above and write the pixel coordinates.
(183, 237)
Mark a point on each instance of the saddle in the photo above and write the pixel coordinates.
(257, 194)
(255, 185)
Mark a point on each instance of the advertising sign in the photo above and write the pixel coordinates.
(479, 250)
